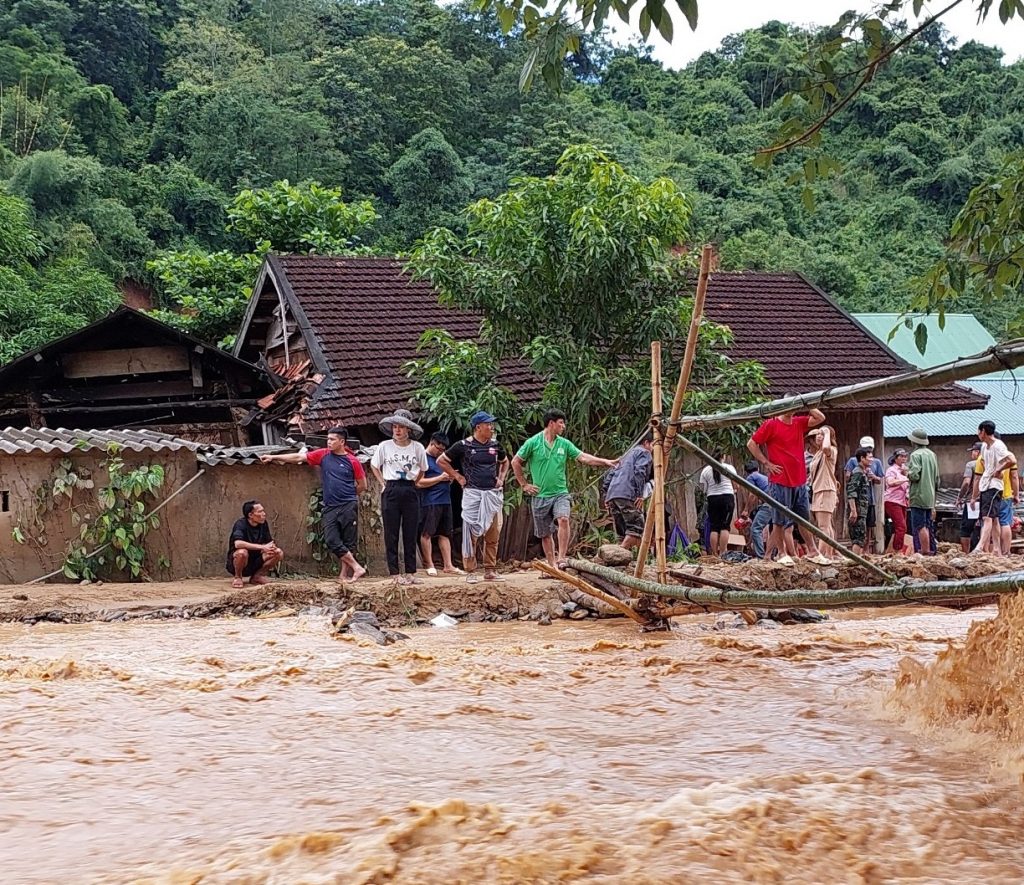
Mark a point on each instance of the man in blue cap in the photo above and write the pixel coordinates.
(479, 464)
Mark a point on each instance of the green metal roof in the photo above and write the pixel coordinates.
(963, 335)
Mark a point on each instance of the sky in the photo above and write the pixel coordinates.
(724, 17)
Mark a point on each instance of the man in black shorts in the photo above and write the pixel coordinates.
(251, 550)
(436, 509)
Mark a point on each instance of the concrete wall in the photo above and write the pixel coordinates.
(952, 455)
(194, 526)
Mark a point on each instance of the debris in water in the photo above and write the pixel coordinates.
(361, 623)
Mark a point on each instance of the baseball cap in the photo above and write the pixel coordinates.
(976, 447)
(867, 442)
(481, 418)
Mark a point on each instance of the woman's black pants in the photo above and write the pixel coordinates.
(400, 509)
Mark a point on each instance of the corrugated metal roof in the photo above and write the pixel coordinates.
(15, 441)
(962, 336)
(1006, 408)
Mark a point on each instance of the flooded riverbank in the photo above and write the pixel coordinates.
(266, 751)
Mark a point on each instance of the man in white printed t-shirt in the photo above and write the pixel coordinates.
(995, 459)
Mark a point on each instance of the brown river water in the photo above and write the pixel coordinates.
(266, 751)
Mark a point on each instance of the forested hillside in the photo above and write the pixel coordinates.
(127, 127)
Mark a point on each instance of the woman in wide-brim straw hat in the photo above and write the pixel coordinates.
(397, 464)
(401, 418)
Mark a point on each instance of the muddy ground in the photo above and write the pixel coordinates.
(522, 594)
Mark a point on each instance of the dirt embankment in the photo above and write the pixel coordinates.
(520, 594)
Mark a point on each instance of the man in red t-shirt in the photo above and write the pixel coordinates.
(778, 445)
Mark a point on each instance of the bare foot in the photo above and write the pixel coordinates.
(357, 573)
(259, 579)
(493, 576)
(237, 583)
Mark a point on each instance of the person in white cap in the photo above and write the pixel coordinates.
(877, 476)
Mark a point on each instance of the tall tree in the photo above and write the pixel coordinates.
(575, 274)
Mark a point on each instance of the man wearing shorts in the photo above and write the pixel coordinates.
(251, 549)
(625, 492)
(436, 509)
(343, 480)
(995, 458)
(778, 445)
(547, 455)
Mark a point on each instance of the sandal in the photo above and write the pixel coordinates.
(454, 570)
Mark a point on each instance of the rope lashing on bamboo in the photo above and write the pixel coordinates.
(771, 502)
(1008, 582)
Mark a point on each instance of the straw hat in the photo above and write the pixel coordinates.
(402, 418)
(918, 437)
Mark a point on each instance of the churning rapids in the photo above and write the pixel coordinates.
(266, 751)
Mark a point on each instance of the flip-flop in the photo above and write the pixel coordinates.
(453, 571)
(432, 572)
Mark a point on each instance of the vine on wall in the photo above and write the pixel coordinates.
(112, 526)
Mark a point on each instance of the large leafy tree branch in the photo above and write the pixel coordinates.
(574, 274)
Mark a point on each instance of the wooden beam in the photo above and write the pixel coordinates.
(127, 361)
(66, 408)
(143, 390)
(197, 371)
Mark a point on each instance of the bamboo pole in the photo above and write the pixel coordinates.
(894, 594)
(152, 512)
(1009, 355)
(685, 370)
(659, 463)
(684, 576)
(590, 590)
(799, 520)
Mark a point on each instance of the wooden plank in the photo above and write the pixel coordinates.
(197, 371)
(128, 361)
(100, 392)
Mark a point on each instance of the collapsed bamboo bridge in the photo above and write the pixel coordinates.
(649, 603)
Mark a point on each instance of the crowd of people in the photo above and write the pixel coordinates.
(416, 501)
(793, 464)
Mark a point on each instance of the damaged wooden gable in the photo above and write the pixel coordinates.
(130, 370)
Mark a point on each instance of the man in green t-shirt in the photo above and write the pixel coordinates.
(547, 454)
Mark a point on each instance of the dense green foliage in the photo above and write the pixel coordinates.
(128, 128)
(575, 273)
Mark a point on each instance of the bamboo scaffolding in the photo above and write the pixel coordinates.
(1009, 355)
(590, 590)
(799, 520)
(685, 370)
(933, 592)
(658, 497)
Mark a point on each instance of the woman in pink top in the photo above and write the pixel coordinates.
(896, 497)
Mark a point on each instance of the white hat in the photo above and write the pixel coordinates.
(867, 442)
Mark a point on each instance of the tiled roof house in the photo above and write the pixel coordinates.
(356, 321)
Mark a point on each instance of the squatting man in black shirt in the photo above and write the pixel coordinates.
(251, 550)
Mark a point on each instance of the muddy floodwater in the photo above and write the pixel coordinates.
(266, 751)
